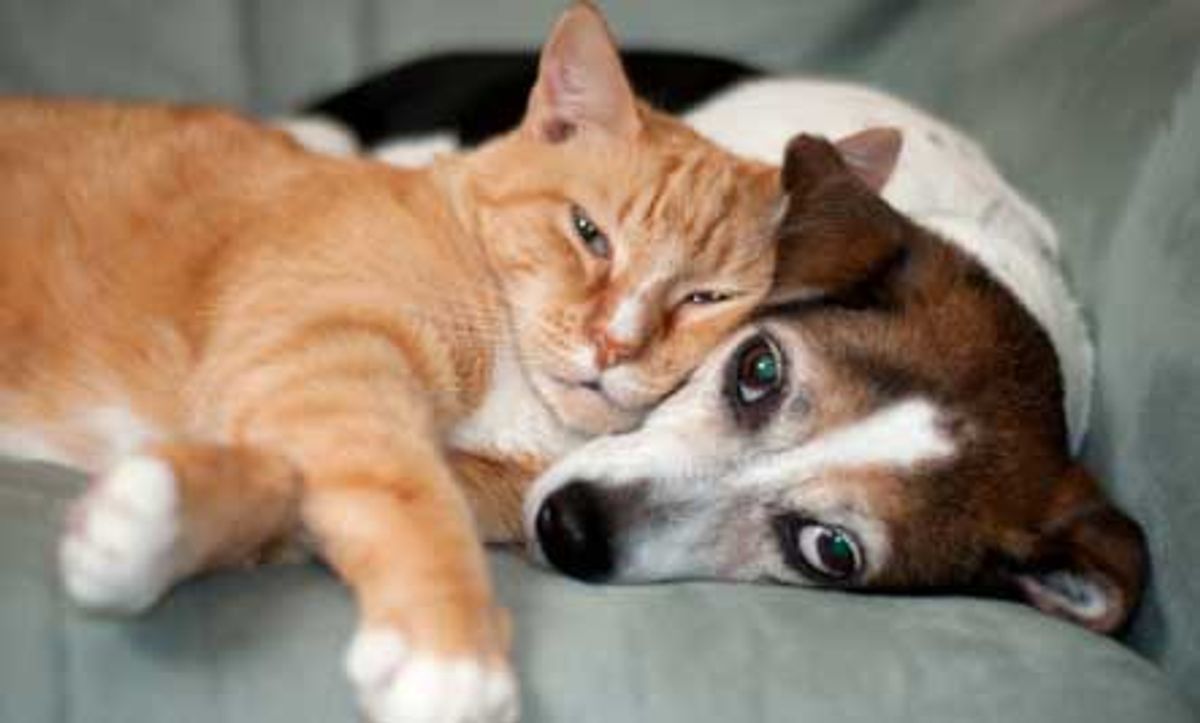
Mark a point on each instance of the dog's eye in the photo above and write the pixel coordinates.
(830, 550)
(589, 233)
(825, 553)
(759, 372)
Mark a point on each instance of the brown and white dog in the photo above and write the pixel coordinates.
(903, 414)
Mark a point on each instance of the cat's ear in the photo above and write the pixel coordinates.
(1088, 559)
(871, 154)
(581, 85)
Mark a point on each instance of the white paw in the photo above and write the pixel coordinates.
(398, 685)
(118, 551)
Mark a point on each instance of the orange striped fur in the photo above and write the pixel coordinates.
(304, 340)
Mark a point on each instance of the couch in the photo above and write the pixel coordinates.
(1092, 107)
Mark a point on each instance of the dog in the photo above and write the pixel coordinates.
(903, 414)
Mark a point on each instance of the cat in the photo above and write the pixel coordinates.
(244, 339)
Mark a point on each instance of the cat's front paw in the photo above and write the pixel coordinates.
(398, 684)
(118, 549)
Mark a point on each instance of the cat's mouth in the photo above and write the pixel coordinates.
(593, 386)
(585, 405)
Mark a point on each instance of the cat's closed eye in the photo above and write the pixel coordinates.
(699, 298)
(590, 234)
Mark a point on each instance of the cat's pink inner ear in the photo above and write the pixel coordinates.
(581, 84)
(872, 154)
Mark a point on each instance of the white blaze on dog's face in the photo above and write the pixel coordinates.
(892, 419)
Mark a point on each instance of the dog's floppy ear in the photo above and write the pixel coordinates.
(581, 83)
(869, 155)
(838, 235)
(1089, 559)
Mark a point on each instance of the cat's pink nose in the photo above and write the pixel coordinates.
(611, 351)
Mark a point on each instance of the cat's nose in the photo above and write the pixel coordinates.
(611, 351)
(622, 331)
(573, 532)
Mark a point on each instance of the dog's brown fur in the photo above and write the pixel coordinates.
(897, 311)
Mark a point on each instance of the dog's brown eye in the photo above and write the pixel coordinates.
(830, 552)
(755, 381)
(759, 374)
(590, 234)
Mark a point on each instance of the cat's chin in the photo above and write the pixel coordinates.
(584, 409)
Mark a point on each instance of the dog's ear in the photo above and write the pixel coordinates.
(581, 83)
(838, 238)
(871, 155)
(1088, 560)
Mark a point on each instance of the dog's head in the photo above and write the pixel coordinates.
(891, 420)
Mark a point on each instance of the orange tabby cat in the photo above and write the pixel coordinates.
(245, 338)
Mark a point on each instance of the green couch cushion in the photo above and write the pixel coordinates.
(266, 645)
(1092, 107)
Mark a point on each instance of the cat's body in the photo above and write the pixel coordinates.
(141, 311)
(142, 289)
(244, 338)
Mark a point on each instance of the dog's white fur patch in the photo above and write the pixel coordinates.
(321, 135)
(118, 551)
(898, 437)
(415, 151)
(396, 684)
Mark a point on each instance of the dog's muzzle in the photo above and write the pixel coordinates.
(574, 532)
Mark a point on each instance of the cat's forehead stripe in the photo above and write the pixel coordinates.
(676, 169)
(719, 213)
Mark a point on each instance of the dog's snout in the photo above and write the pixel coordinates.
(573, 531)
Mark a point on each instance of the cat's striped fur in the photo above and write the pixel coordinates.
(293, 340)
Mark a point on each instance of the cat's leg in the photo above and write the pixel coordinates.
(382, 506)
(169, 511)
(431, 645)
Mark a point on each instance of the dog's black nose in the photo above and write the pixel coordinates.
(574, 534)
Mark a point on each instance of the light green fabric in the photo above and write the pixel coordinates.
(265, 646)
(1091, 106)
